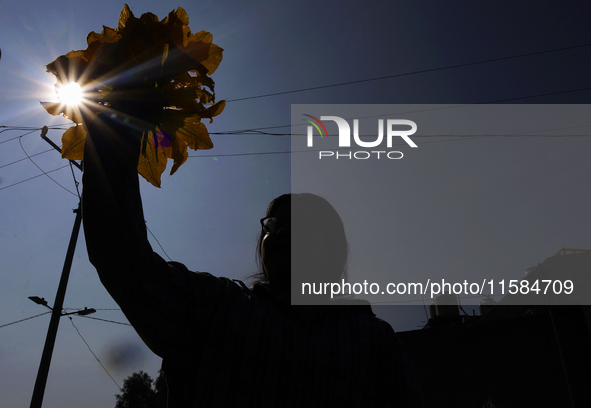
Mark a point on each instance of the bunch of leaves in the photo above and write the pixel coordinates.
(150, 73)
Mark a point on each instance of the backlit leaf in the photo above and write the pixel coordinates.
(182, 15)
(179, 155)
(213, 61)
(216, 109)
(73, 143)
(108, 35)
(68, 68)
(198, 50)
(188, 129)
(165, 53)
(153, 163)
(53, 108)
(125, 15)
(202, 35)
(58, 108)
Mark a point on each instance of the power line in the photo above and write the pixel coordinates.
(535, 96)
(237, 132)
(87, 317)
(25, 319)
(377, 79)
(18, 137)
(34, 177)
(369, 80)
(96, 318)
(6, 128)
(92, 352)
(303, 151)
(258, 130)
(423, 71)
(158, 242)
(25, 158)
(250, 132)
(459, 138)
(105, 320)
(43, 171)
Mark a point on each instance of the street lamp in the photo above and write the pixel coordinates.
(80, 312)
(50, 341)
(40, 301)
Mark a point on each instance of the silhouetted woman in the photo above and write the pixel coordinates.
(224, 345)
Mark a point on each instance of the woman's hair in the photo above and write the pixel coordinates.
(279, 202)
(319, 248)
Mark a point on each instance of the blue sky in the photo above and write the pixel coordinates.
(523, 199)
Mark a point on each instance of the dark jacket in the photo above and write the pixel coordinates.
(223, 344)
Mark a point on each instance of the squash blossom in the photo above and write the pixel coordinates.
(152, 74)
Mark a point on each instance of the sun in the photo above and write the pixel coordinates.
(71, 94)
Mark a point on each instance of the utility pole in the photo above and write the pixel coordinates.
(56, 312)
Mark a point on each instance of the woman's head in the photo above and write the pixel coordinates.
(302, 241)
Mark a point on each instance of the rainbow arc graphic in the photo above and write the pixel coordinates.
(316, 123)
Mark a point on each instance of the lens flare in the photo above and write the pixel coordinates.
(70, 94)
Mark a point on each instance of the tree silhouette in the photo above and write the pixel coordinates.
(141, 391)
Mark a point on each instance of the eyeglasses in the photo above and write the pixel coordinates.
(271, 225)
